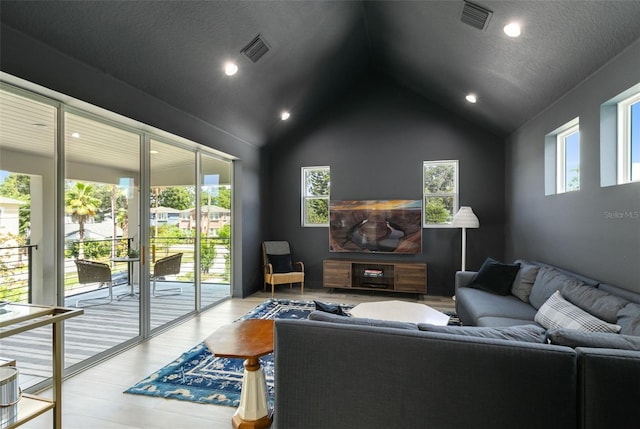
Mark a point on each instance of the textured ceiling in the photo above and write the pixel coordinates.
(174, 51)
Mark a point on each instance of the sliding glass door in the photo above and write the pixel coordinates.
(215, 255)
(98, 212)
(172, 238)
(101, 235)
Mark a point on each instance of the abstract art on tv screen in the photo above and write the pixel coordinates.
(388, 226)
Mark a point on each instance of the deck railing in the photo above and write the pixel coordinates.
(16, 276)
(16, 273)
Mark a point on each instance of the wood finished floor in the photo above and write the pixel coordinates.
(93, 399)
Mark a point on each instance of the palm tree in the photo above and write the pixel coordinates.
(82, 206)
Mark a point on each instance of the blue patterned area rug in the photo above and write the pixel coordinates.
(198, 376)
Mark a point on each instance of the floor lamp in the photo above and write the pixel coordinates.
(465, 218)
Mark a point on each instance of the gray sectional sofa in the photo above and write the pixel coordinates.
(340, 372)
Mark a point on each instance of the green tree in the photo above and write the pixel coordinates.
(223, 199)
(574, 183)
(178, 198)
(82, 206)
(436, 211)
(207, 254)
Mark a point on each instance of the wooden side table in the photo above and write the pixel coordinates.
(247, 339)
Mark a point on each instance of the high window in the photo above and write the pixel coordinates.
(568, 160)
(629, 139)
(316, 185)
(562, 159)
(620, 138)
(440, 191)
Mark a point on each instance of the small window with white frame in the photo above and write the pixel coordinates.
(568, 159)
(562, 159)
(629, 139)
(440, 192)
(316, 186)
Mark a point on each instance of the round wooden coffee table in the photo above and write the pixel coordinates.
(247, 339)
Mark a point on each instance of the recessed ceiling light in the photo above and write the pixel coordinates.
(230, 69)
(75, 135)
(512, 29)
(471, 98)
(285, 115)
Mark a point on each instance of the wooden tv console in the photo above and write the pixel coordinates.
(408, 277)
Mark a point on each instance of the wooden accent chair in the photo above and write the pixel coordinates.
(168, 265)
(278, 268)
(95, 272)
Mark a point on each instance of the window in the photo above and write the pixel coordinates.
(629, 139)
(316, 185)
(562, 159)
(440, 187)
(620, 138)
(568, 160)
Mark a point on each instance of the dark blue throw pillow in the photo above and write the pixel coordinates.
(330, 308)
(495, 277)
(281, 263)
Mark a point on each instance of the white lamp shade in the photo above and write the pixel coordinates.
(465, 218)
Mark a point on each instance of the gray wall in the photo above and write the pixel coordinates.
(576, 230)
(33, 61)
(375, 140)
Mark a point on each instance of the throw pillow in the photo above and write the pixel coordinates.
(330, 308)
(360, 321)
(604, 340)
(547, 282)
(557, 312)
(495, 277)
(526, 333)
(629, 319)
(281, 263)
(523, 283)
(601, 304)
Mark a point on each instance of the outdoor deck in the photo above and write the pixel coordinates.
(101, 328)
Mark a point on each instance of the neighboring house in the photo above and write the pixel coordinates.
(186, 219)
(160, 216)
(218, 217)
(9, 216)
(92, 231)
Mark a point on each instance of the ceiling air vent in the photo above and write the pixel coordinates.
(475, 15)
(256, 49)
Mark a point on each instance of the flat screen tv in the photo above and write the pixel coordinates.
(387, 226)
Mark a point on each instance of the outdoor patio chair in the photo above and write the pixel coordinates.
(166, 266)
(278, 268)
(95, 272)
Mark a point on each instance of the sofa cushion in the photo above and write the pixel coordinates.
(557, 312)
(495, 277)
(476, 303)
(548, 281)
(503, 322)
(601, 304)
(629, 319)
(330, 308)
(335, 318)
(281, 263)
(573, 338)
(618, 291)
(525, 333)
(523, 282)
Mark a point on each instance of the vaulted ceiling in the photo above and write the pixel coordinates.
(175, 51)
